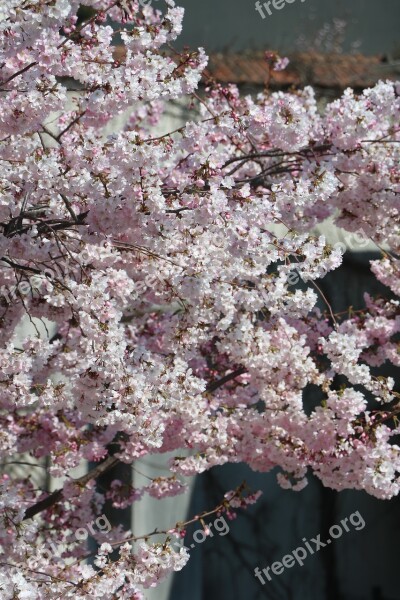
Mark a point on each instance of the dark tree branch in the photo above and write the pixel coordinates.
(214, 385)
(56, 496)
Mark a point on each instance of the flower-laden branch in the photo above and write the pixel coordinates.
(110, 462)
(164, 264)
(57, 496)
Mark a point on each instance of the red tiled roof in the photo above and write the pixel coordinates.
(329, 71)
(321, 70)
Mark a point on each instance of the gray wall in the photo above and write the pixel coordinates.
(235, 25)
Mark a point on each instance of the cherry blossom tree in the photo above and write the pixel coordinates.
(158, 260)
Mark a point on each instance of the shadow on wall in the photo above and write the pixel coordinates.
(361, 564)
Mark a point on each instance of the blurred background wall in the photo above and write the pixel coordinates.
(371, 26)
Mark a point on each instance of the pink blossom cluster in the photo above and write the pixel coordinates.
(123, 495)
(210, 361)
